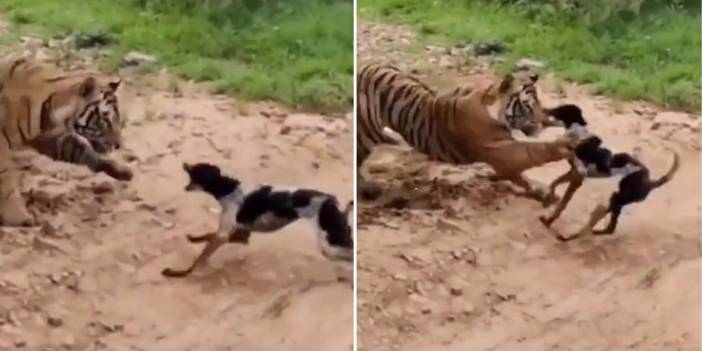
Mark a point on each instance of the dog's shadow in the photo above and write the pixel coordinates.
(595, 251)
(257, 274)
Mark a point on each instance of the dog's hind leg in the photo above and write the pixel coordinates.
(576, 180)
(240, 236)
(614, 218)
(597, 214)
(341, 257)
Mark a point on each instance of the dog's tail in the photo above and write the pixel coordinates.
(669, 175)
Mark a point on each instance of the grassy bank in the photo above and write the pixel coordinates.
(298, 52)
(651, 52)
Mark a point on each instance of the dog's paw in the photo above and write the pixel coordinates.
(169, 272)
(546, 221)
(197, 238)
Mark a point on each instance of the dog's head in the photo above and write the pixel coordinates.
(568, 115)
(202, 176)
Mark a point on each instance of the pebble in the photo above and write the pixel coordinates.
(40, 243)
(103, 188)
(137, 58)
(54, 321)
(527, 63)
(399, 276)
(447, 225)
(20, 344)
(468, 308)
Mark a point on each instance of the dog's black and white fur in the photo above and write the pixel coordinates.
(264, 208)
(592, 160)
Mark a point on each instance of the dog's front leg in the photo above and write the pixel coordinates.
(575, 182)
(212, 245)
(214, 242)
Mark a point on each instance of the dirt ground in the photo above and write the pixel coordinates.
(89, 278)
(467, 265)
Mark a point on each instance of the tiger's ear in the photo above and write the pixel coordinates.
(87, 87)
(490, 95)
(113, 86)
(506, 83)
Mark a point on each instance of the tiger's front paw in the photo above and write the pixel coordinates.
(118, 171)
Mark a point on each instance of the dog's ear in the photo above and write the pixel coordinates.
(534, 77)
(348, 209)
(114, 85)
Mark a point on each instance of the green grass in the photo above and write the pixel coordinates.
(653, 55)
(298, 52)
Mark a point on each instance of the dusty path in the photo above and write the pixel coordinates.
(90, 280)
(475, 270)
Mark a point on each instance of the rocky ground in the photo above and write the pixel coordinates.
(89, 277)
(463, 264)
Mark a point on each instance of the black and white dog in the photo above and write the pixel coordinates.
(592, 160)
(265, 208)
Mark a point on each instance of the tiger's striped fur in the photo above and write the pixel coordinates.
(68, 117)
(455, 127)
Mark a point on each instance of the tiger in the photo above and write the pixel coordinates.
(522, 111)
(454, 127)
(70, 117)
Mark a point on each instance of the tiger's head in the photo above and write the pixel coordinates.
(519, 104)
(99, 119)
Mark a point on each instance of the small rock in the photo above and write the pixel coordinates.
(134, 58)
(112, 328)
(48, 229)
(399, 276)
(655, 125)
(484, 49)
(20, 344)
(285, 130)
(445, 224)
(527, 64)
(54, 321)
(468, 308)
(445, 62)
(56, 278)
(455, 291)
(426, 310)
(91, 40)
(41, 243)
(103, 188)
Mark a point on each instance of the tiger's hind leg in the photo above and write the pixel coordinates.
(13, 211)
(73, 148)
